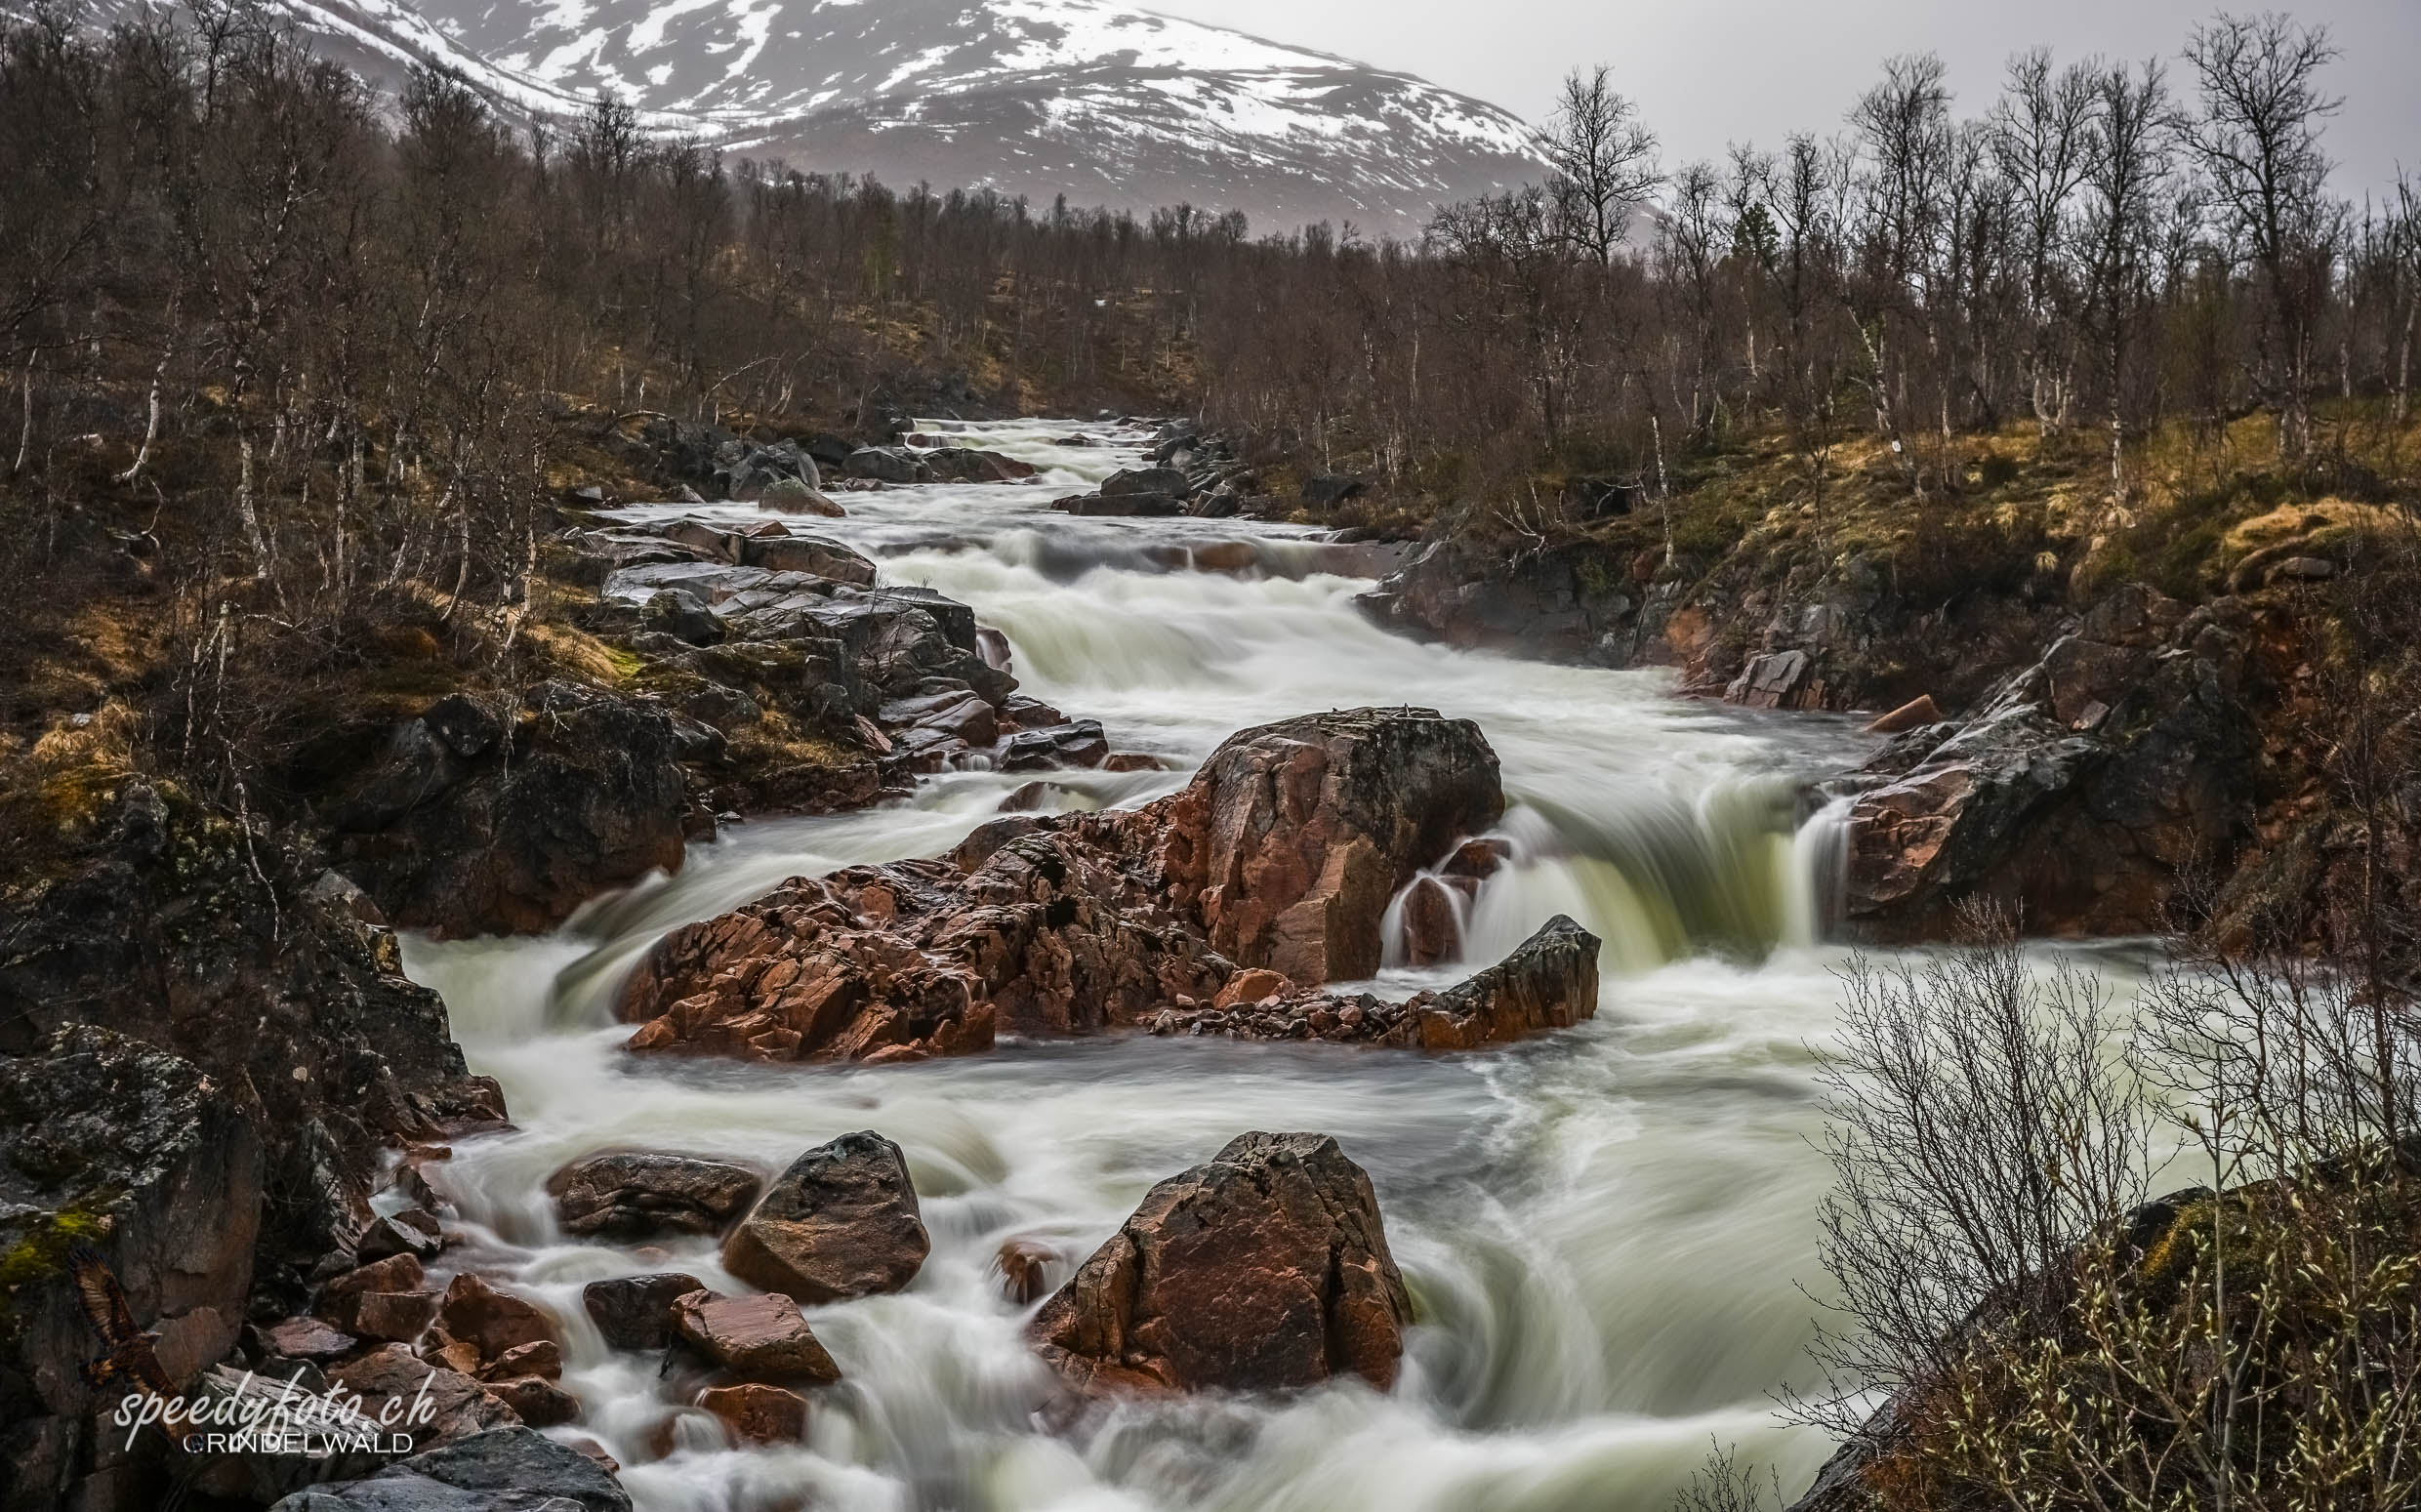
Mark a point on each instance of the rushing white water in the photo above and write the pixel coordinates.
(1604, 1230)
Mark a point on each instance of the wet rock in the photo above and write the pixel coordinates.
(1281, 852)
(1914, 715)
(813, 555)
(1297, 833)
(1548, 982)
(507, 1469)
(886, 465)
(683, 615)
(757, 1413)
(962, 716)
(1128, 482)
(301, 1338)
(1082, 744)
(457, 1406)
(537, 1401)
(1432, 920)
(632, 1196)
(1779, 679)
(970, 465)
(795, 496)
(588, 794)
(841, 1222)
(496, 1322)
(760, 1338)
(543, 1359)
(109, 1142)
(1264, 1270)
(636, 1312)
(2079, 796)
(1576, 603)
(411, 1231)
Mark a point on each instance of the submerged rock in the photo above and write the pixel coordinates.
(1264, 1270)
(841, 1222)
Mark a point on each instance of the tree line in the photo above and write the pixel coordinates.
(328, 338)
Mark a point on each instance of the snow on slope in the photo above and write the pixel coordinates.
(1104, 103)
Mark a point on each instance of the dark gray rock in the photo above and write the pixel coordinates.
(1129, 481)
(636, 1312)
(503, 1470)
(1081, 744)
(841, 1222)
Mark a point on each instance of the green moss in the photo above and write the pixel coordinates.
(41, 1252)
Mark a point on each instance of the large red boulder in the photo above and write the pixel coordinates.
(1265, 1269)
(1281, 854)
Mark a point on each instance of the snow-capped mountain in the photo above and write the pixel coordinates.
(1105, 105)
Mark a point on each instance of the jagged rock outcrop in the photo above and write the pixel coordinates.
(1574, 603)
(1264, 1270)
(179, 929)
(1550, 982)
(499, 815)
(841, 1222)
(1281, 852)
(2081, 793)
(109, 1142)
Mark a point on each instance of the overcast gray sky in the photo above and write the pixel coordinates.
(1710, 72)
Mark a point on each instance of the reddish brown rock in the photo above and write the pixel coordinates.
(396, 1316)
(1264, 1270)
(1251, 985)
(1293, 837)
(757, 1413)
(537, 1401)
(1281, 854)
(494, 1321)
(753, 1337)
(636, 1312)
(1550, 982)
(841, 1222)
(301, 1338)
(1024, 1267)
(543, 1358)
(631, 1196)
(1432, 919)
(459, 1406)
(1914, 714)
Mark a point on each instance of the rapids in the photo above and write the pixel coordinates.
(1605, 1231)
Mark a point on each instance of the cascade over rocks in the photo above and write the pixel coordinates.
(2084, 789)
(1264, 1270)
(841, 1222)
(1283, 852)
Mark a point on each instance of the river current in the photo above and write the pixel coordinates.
(1606, 1231)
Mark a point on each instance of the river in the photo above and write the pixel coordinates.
(1605, 1231)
